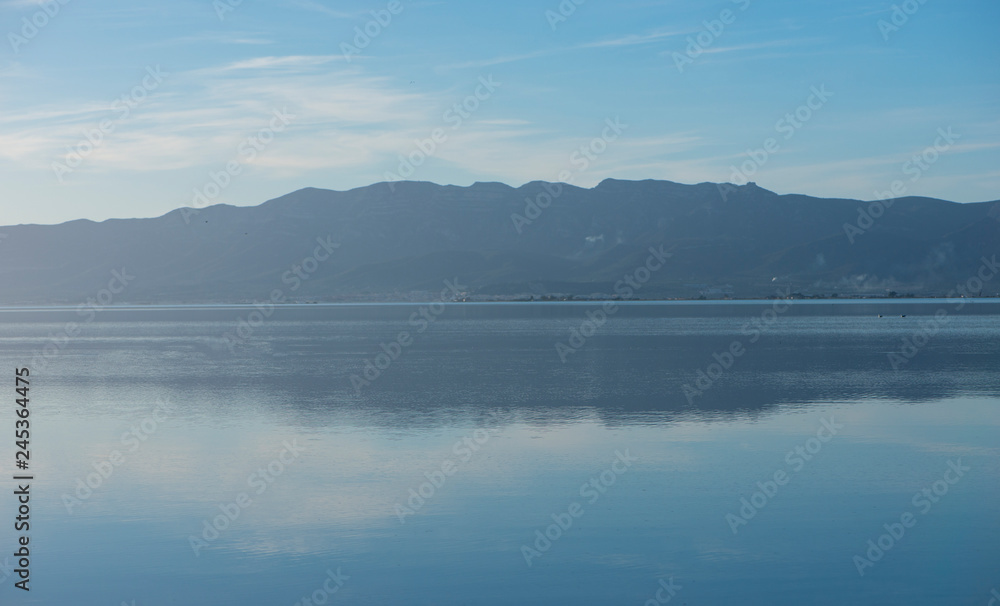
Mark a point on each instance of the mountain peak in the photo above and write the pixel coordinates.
(751, 186)
(610, 182)
(491, 185)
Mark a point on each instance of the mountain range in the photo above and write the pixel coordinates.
(403, 240)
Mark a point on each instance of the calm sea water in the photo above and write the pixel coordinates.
(494, 456)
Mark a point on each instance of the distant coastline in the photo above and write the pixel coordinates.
(554, 299)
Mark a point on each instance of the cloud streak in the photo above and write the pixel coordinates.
(629, 40)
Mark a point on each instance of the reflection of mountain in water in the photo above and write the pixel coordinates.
(477, 358)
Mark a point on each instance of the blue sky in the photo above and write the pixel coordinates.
(222, 69)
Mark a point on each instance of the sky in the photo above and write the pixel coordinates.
(125, 109)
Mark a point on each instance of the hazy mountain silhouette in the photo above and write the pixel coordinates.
(411, 236)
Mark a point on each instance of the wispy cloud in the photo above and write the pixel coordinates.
(479, 63)
(629, 40)
(214, 38)
(742, 48)
(283, 63)
(748, 47)
(198, 117)
(635, 39)
(344, 120)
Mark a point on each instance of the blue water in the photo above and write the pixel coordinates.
(199, 412)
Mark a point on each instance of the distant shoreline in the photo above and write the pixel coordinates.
(302, 303)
